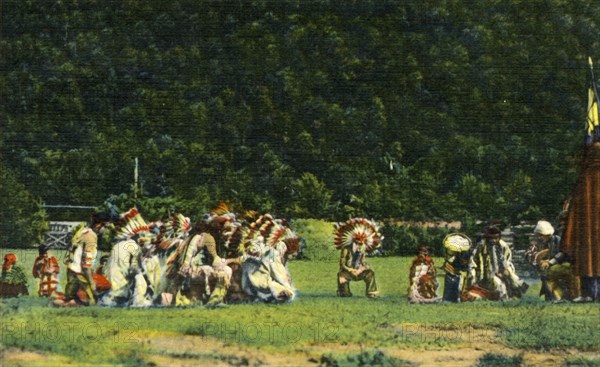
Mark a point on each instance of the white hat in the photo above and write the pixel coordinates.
(544, 228)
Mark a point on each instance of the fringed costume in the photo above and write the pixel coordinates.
(557, 281)
(82, 255)
(355, 239)
(265, 246)
(422, 278)
(129, 284)
(47, 270)
(492, 274)
(192, 268)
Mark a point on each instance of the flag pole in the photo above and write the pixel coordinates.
(135, 179)
(593, 134)
(591, 63)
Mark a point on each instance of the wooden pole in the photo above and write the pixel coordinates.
(135, 179)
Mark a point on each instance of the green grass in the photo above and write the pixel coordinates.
(365, 358)
(582, 361)
(499, 360)
(97, 335)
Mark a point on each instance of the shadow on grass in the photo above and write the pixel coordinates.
(500, 360)
(365, 358)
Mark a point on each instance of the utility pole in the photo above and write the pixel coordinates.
(135, 180)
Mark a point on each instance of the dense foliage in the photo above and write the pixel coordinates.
(22, 219)
(415, 110)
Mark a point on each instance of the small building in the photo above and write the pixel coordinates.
(59, 234)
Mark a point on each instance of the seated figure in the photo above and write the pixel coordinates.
(492, 274)
(422, 277)
(13, 281)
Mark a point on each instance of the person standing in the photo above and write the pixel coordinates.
(47, 270)
(580, 242)
(80, 286)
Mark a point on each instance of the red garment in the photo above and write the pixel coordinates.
(9, 260)
(581, 233)
(46, 268)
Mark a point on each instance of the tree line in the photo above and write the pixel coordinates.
(415, 110)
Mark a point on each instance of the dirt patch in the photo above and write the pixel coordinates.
(465, 347)
(17, 357)
(176, 350)
(180, 350)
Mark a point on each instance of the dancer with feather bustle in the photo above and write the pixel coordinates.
(196, 262)
(265, 247)
(13, 281)
(125, 268)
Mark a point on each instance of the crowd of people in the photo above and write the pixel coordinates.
(223, 258)
(228, 258)
(484, 271)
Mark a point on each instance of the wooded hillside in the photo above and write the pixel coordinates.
(415, 110)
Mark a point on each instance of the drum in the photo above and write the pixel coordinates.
(102, 283)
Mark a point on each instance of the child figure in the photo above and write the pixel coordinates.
(423, 284)
(46, 269)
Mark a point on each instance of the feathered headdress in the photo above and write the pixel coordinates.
(130, 224)
(249, 234)
(233, 234)
(272, 231)
(221, 209)
(177, 225)
(279, 231)
(358, 231)
(9, 260)
(219, 218)
(181, 223)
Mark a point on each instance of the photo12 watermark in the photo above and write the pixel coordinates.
(14, 332)
(269, 332)
(439, 333)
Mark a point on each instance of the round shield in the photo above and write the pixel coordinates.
(457, 242)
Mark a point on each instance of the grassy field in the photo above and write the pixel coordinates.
(318, 328)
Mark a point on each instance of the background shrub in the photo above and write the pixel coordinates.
(22, 217)
(404, 240)
(317, 239)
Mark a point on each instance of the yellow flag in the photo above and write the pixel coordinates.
(592, 117)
